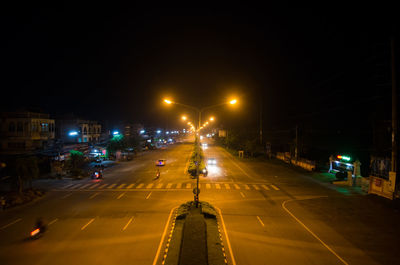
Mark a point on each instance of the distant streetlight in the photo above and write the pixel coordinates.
(184, 118)
(212, 118)
(199, 127)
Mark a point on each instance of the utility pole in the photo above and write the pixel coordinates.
(296, 149)
(394, 112)
(261, 121)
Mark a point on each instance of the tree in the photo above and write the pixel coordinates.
(26, 169)
(76, 163)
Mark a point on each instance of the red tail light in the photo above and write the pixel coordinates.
(35, 232)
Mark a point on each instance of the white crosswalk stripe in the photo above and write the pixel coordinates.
(265, 187)
(274, 187)
(208, 186)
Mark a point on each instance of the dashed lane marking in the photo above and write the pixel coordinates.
(208, 186)
(179, 185)
(188, 185)
(261, 222)
(246, 187)
(148, 196)
(94, 195)
(86, 225)
(140, 185)
(111, 186)
(94, 186)
(149, 186)
(256, 187)
(227, 186)
(159, 186)
(169, 185)
(10, 224)
(130, 220)
(236, 186)
(218, 186)
(241, 193)
(102, 186)
(120, 196)
(85, 185)
(130, 186)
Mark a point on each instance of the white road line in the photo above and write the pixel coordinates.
(75, 186)
(274, 187)
(111, 186)
(130, 186)
(84, 186)
(188, 185)
(149, 186)
(94, 195)
(311, 232)
(226, 236)
(208, 186)
(120, 196)
(91, 220)
(227, 186)
(261, 222)
(256, 187)
(52, 222)
(13, 222)
(246, 187)
(179, 185)
(265, 187)
(65, 196)
(102, 186)
(236, 186)
(218, 186)
(169, 185)
(130, 220)
(163, 236)
(140, 185)
(241, 193)
(68, 185)
(121, 186)
(94, 186)
(148, 196)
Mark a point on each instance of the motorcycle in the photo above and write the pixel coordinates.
(97, 175)
(38, 231)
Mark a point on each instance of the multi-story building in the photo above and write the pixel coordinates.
(78, 131)
(25, 131)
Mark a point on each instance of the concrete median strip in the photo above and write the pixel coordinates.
(195, 237)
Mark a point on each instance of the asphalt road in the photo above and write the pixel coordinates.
(121, 219)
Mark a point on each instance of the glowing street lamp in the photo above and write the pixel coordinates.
(184, 118)
(212, 118)
(167, 101)
(233, 101)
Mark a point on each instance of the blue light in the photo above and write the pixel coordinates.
(73, 133)
(158, 131)
(115, 132)
(142, 131)
(167, 132)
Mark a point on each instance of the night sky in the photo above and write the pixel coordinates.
(104, 62)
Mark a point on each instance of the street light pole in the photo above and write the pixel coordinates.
(199, 111)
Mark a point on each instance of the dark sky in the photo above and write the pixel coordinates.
(105, 62)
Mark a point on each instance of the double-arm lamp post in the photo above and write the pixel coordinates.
(199, 111)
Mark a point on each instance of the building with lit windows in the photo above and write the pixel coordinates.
(78, 131)
(25, 131)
